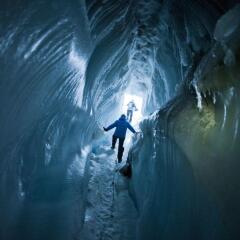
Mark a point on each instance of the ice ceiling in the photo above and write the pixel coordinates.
(65, 69)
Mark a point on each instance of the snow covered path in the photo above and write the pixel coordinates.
(110, 213)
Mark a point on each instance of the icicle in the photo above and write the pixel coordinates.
(214, 98)
(199, 97)
(204, 94)
(224, 116)
(236, 129)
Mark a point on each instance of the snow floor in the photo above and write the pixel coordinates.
(110, 212)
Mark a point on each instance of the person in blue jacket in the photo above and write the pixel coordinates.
(121, 126)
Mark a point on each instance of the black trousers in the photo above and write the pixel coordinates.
(120, 146)
(129, 115)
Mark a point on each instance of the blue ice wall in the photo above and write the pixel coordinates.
(55, 75)
(171, 201)
(188, 188)
(44, 50)
(64, 68)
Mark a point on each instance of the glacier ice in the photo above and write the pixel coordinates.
(65, 69)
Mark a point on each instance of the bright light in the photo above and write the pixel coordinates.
(137, 115)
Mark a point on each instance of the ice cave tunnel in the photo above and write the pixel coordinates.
(68, 68)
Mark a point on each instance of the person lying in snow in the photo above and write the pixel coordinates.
(121, 126)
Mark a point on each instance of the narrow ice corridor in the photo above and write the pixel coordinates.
(69, 69)
(110, 212)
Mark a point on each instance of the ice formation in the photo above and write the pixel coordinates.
(65, 69)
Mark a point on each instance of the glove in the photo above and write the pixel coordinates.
(104, 129)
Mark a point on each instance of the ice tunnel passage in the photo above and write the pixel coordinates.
(65, 67)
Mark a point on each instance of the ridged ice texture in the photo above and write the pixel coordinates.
(168, 38)
(44, 48)
(110, 26)
(172, 203)
(188, 156)
(64, 68)
(147, 45)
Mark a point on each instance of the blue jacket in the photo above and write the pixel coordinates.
(121, 126)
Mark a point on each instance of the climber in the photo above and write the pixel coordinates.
(131, 107)
(121, 126)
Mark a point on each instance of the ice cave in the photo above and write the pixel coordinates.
(68, 68)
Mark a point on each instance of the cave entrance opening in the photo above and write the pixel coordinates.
(137, 115)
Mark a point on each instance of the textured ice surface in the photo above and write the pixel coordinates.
(228, 26)
(65, 67)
